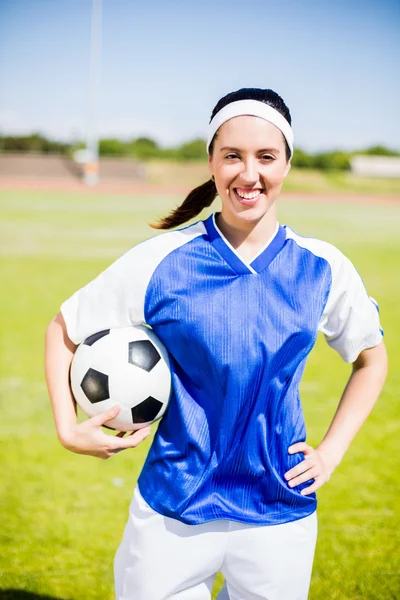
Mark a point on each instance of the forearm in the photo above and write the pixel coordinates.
(357, 402)
(86, 437)
(59, 351)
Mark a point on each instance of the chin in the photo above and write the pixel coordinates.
(250, 214)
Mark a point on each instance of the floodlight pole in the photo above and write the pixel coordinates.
(91, 168)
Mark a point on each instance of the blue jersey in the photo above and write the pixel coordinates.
(238, 335)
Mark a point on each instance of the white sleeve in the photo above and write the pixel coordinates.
(350, 320)
(116, 298)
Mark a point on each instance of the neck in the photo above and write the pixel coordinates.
(253, 234)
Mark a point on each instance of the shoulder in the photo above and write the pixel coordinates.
(156, 248)
(345, 278)
(319, 248)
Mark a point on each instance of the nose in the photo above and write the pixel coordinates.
(249, 173)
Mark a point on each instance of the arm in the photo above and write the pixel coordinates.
(86, 437)
(358, 399)
(59, 352)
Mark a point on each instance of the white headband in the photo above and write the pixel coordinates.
(254, 108)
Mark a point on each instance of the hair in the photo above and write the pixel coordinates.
(205, 194)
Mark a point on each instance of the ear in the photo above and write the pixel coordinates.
(288, 166)
(210, 167)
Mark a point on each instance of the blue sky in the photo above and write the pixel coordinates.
(166, 63)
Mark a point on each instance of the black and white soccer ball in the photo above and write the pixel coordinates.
(127, 366)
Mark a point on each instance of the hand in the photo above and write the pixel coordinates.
(88, 437)
(316, 465)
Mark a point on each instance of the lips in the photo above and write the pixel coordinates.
(248, 197)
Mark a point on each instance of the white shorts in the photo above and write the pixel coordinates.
(161, 558)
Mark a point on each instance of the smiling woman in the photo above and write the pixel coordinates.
(248, 177)
(232, 120)
(237, 300)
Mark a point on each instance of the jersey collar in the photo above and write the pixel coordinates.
(228, 253)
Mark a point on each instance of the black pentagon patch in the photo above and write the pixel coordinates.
(95, 386)
(146, 410)
(143, 354)
(95, 337)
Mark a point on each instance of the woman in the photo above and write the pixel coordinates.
(229, 482)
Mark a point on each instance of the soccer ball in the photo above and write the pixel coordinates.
(127, 366)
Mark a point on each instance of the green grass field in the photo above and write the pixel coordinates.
(63, 514)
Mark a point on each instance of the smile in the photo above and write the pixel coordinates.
(247, 197)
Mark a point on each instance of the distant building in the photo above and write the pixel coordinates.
(376, 166)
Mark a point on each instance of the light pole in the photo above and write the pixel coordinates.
(91, 166)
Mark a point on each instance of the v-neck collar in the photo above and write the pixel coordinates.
(258, 263)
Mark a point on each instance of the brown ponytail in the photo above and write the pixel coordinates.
(195, 201)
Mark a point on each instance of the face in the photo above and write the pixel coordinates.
(249, 165)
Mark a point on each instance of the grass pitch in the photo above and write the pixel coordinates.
(63, 514)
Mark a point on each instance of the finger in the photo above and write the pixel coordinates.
(133, 432)
(125, 433)
(299, 447)
(134, 439)
(312, 488)
(310, 474)
(300, 468)
(109, 414)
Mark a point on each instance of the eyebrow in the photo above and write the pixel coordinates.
(275, 150)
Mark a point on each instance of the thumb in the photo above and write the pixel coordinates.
(109, 414)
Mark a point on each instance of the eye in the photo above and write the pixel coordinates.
(267, 157)
(231, 156)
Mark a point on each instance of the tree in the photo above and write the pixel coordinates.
(336, 161)
(379, 151)
(144, 148)
(112, 147)
(302, 160)
(195, 150)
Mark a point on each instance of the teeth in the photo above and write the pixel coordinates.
(249, 195)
